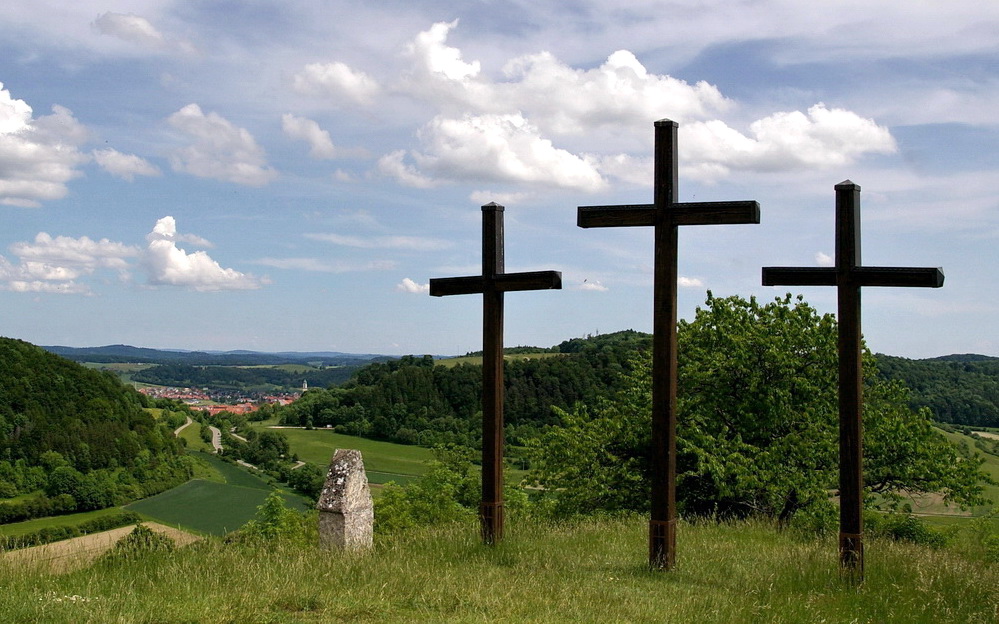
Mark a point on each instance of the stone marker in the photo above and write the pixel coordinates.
(346, 514)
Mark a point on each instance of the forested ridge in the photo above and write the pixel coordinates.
(958, 389)
(76, 439)
(242, 378)
(415, 401)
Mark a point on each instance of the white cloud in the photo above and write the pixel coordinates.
(592, 286)
(219, 150)
(74, 255)
(394, 166)
(38, 156)
(496, 148)
(125, 166)
(129, 27)
(506, 199)
(166, 229)
(436, 58)
(412, 243)
(408, 285)
(824, 260)
(620, 92)
(168, 265)
(689, 282)
(783, 141)
(135, 29)
(52, 265)
(304, 129)
(338, 81)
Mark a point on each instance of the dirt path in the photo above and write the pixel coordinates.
(177, 431)
(79, 552)
(216, 439)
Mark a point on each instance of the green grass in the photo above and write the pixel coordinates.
(212, 507)
(383, 461)
(30, 526)
(192, 433)
(592, 571)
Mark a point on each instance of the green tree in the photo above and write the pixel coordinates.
(757, 422)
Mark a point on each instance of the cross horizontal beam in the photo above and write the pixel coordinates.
(507, 282)
(681, 213)
(911, 277)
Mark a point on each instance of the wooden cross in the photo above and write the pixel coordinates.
(665, 214)
(492, 284)
(848, 276)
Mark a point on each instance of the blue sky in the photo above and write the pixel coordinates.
(289, 175)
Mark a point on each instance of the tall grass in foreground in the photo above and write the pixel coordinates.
(592, 571)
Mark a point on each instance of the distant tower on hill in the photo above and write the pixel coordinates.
(305, 386)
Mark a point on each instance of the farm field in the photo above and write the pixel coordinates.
(210, 507)
(383, 461)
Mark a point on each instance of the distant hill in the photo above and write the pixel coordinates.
(958, 389)
(112, 354)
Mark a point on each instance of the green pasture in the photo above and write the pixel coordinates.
(192, 433)
(212, 507)
(383, 461)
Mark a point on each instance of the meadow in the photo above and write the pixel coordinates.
(383, 461)
(589, 571)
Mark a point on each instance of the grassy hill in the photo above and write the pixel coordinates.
(593, 571)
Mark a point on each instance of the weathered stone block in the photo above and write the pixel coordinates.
(346, 514)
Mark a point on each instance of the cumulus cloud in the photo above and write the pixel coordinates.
(219, 149)
(319, 140)
(783, 141)
(412, 243)
(38, 156)
(125, 166)
(304, 129)
(169, 265)
(689, 282)
(824, 260)
(494, 148)
(53, 264)
(409, 286)
(336, 80)
(504, 130)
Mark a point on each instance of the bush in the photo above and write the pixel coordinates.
(139, 542)
(904, 528)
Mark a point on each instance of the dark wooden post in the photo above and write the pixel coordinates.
(492, 284)
(665, 214)
(849, 276)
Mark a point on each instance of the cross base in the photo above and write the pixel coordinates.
(851, 556)
(662, 544)
(491, 520)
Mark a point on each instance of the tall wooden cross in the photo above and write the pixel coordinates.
(848, 276)
(665, 214)
(492, 284)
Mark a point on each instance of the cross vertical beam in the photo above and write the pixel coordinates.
(493, 282)
(665, 214)
(849, 276)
